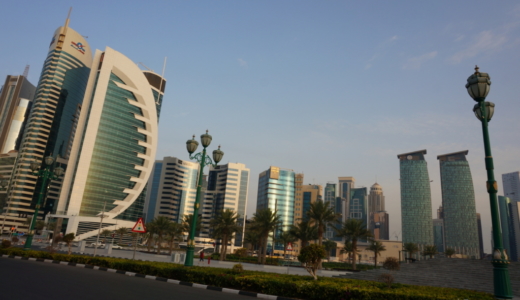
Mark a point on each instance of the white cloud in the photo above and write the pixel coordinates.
(415, 63)
(242, 62)
(485, 42)
(380, 50)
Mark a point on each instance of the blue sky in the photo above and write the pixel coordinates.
(327, 88)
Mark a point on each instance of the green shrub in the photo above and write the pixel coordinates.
(346, 266)
(238, 268)
(302, 287)
(391, 263)
(5, 244)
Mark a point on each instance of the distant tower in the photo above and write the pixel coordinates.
(331, 198)
(511, 182)
(345, 185)
(458, 204)
(378, 222)
(15, 103)
(416, 204)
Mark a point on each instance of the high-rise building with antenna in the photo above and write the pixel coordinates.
(51, 125)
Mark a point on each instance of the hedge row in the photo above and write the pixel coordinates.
(302, 287)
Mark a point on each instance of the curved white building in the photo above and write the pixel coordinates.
(114, 149)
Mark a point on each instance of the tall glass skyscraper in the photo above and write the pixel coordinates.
(114, 149)
(331, 198)
(458, 203)
(345, 185)
(276, 191)
(15, 102)
(511, 182)
(51, 125)
(416, 204)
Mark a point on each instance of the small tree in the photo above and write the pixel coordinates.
(105, 233)
(377, 247)
(391, 264)
(449, 252)
(68, 238)
(411, 248)
(430, 250)
(121, 232)
(241, 252)
(329, 246)
(311, 256)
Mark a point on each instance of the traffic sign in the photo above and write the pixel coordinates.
(289, 246)
(139, 226)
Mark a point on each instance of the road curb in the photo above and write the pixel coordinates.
(190, 284)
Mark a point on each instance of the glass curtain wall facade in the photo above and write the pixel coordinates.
(51, 124)
(152, 193)
(505, 222)
(15, 102)
(114, 151)
(276, 191)
(416, 205)
(511, 182)
(438, 234)
(345, 184)
(458, 203)
(331, 197)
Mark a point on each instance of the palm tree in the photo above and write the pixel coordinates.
(251, 238)
(305, 232)
(285, 238)
(149, 235)
(186, 223)
(348, 249)
(174, 232)
(353, 230)
(430, 250)
(377, 247)
(105, 233)
(224, 226)
(449, 252)
(411, 248)
(321, 214)
(68, 238)
(161, 224)
(121, 232)
(264, 222)
(329, 245)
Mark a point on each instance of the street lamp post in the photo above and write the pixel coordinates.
(191, 146)
(478, 88)
(46, 173)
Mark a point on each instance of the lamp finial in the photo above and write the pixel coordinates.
(476, 70)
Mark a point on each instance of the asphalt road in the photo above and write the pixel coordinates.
(21, 279)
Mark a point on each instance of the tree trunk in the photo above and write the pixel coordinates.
(70, 247)
(171, 246)
(224, 248)
(159, 240)
(375, 259)
(354, 253)
(284, 250)
(266, 237)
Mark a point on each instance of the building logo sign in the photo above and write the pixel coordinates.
(78, 46)
(52, 42)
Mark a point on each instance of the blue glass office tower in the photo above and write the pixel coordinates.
(458, 203)
(276, 191)
(416, 204)
(332, 199)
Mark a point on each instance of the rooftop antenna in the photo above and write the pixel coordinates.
(26, 71)
(162, 80)
(68, 17)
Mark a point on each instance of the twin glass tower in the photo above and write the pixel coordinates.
(98, 115)
(458, 200)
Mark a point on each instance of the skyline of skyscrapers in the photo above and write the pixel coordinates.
(458, 204)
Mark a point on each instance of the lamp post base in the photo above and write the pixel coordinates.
(28, 242)
(188, 262)
(501, 280)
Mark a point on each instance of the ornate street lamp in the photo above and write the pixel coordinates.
(46, 173)
(203, 159)
(478, 88)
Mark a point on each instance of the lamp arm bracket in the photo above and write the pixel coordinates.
(207, 161)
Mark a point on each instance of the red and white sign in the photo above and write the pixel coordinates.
(139, 226)
(289, 246)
